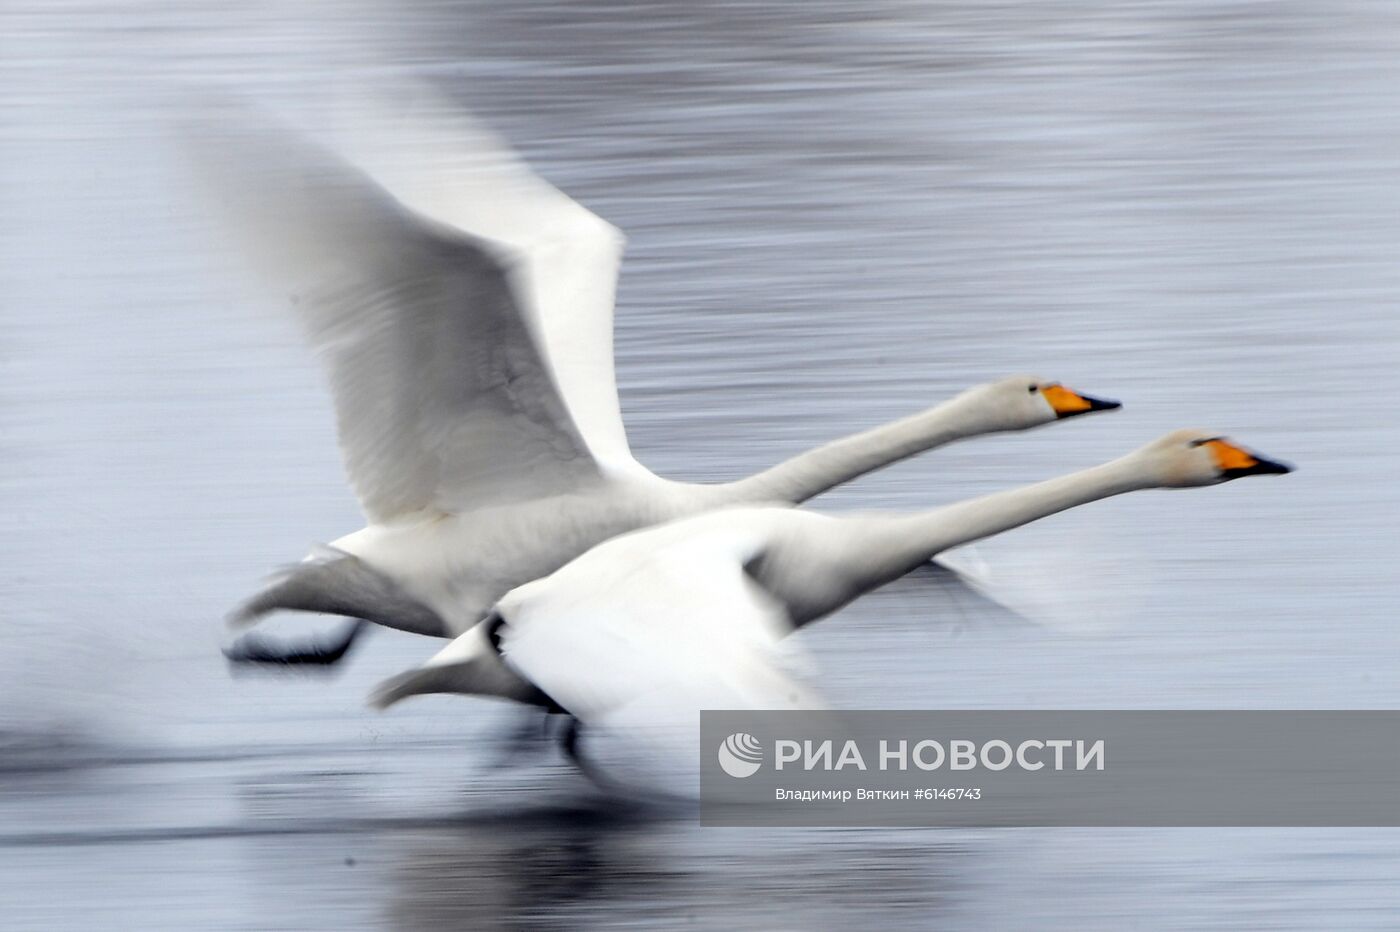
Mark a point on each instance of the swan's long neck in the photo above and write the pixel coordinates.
(811, 473)
(892, 546)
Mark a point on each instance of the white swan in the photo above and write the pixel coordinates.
(466, 323)
(686, 616)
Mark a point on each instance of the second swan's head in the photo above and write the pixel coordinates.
(1024, 401)
(1187, 458)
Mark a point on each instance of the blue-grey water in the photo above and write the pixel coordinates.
(839, 212)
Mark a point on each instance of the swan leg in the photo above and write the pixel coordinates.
(569, 743)
(529, 736)
(337, 583)
(253, 649)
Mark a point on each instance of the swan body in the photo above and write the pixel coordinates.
(459, 563)
(689, 615)
(463, 308)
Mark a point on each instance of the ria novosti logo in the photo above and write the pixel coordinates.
(740, 755)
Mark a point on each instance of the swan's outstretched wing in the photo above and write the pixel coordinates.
(956, 589)
(441, 163)
(670, 627)
(443, 398)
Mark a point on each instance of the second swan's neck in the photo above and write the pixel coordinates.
(898, 544)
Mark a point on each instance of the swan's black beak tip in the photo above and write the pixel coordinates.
(1265, 467)
(1102, 404)
(1256, 465)
(1073, 404)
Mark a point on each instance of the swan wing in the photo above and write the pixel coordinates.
(443, 398)
(445, 165)
(670, 627)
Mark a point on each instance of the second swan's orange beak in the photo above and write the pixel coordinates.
(1068, 403)
(1235, 462)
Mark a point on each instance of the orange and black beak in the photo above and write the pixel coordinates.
(1237, 462)
(1067, 403)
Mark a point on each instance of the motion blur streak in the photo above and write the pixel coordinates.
(838, 212)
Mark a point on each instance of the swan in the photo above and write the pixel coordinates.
(659, 623)
(464, 314)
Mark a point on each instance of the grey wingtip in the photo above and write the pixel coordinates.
(393, 690)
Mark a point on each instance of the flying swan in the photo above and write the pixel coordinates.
(463, 308)
(669, 620)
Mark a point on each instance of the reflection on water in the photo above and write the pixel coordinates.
(838, 213)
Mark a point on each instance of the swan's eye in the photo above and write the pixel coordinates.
(1203, 441)
(1033, 389)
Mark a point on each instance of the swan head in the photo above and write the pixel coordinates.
(1188, 458)
(1021, 402)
